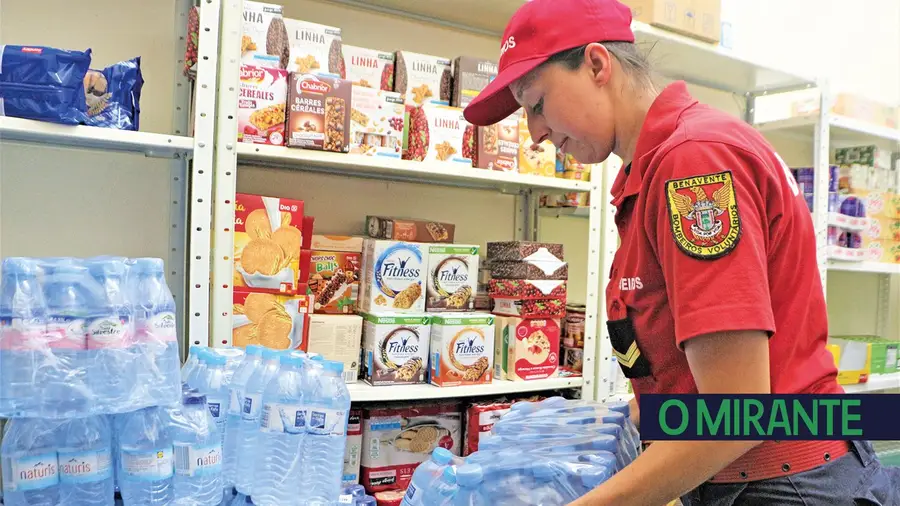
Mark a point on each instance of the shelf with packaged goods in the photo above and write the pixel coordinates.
(843, 131)
(444, 174)
(876, 383)
(362, 392)
(86, 137)
(870, 267)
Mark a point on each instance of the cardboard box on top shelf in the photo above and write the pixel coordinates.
(699, 19)
(272, 320)
(869, 155)
(864, 109)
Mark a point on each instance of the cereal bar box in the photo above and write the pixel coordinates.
(271, 320)
(376, 122)
(267, 243)
(538, 160)
(395, 347)
(261, 98)
(369, 68)
(393, 276)
(264, 39)
(452, 277)
(334, 281)
(318, 113)
(498, 146)
(438, 133)
(462, 349)
(423, 79)
(314, 48)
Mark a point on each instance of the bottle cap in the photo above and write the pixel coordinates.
(19, 265)
(442, 456)
(469, 475)
(253, 350)
(543, 470)
(292, 360)
(270, 354)
(614, 417)
(449, 474)
(619, 407)
(149, 265)
(601, 458)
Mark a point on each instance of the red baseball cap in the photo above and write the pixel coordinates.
(537, 31)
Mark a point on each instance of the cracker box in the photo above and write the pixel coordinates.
(527, 349)
(314, 48)
(318, 115)
(497, 146)
(264, 39)
(337, 337)
(438, 133)
(353, 450)
(369, 68)
(480, 419)
(452, 277)
(393, 277)
(395, 347)
(397, 439)
(353, 244)
(334, 281)
(462, 349)
(376, 122)
(263, 92)
(403, 229)
(271, 320)
(267, 243)
(422, 79)
(538, 160)
(470, 76)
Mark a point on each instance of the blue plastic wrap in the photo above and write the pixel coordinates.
(113, 95)
(43, 83)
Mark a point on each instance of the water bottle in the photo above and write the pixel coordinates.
(155, 330)
(63, 376)
(85, 461)
(442, 490)
(470, 477)
(213, 386)
(282, 433)
(425, 475)
(198, 453)
(23, 322)
(195, 378)
(549, 485)
(30, 464)
(145, 457)
(247, 367)
(366, 500)
(190, 363)
(111, 353)
(233, 357)
(631, 429)
(251, 408)
(326, 434)
(356, 492)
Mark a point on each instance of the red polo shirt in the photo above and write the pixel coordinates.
(714, 237)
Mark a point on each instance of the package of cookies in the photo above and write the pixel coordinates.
(349, 243)
(337, 337)
(530, 269)
(497, 146)
(480, 419)
(541, 308)
(389, 497)
(261, 99)
(438, 133)
(573, 326)
(527, 348)
(376, 122)
(314, 48)
(267, 243)
(524, 250)
(395, 347)
(334, 281)
(393, 276)
(422, 79)
(396, 439)
(407, 229)
(353, 449)
(452, 277)
(369, 68)
(462, 347)
(534, 159)
(318, 113)
(264, 38)
(470, 76)
(271, 320)
(528, 289)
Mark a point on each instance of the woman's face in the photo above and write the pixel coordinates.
(572, 108)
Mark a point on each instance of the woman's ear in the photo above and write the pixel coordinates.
(599, 61)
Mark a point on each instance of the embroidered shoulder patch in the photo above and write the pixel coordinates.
(703, 214)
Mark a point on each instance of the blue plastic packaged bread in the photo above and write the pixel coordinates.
(113, 95)
(43, 83)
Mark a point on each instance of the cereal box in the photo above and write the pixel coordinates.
(470, 76)
(438, 133)
(395, 347)
(422, 79)
(396, 439)
(497, 146)
(393, 276)
(369, 68)
(538, 160)
(264, 39)
(376, 122)
(452, 277)
(261, 99)
(314, 48)
(353, 449)
(480, 419)
(337, 243)
(318, 115)
(334, 281)
(462, 349)
(271, 320)
(337, 337)
(403, 229)
(267, 241)
(527, 349)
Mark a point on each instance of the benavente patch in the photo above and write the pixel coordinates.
(703, 214)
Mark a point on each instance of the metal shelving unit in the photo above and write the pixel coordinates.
(361, 392)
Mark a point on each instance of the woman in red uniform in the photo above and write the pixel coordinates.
(715, 288)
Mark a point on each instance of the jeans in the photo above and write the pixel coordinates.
(855, 479)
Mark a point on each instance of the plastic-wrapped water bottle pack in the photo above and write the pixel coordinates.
(546, 453)
(82, 337)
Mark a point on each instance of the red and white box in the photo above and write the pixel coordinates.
(480, 419)
(526, 349)
(261, 101)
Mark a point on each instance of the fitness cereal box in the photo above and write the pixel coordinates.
(318, 113)
(393, 276)
(271, 320)
(452, 277)
(462, 349)
(261, 99)
(395, 347)
(267, 243)
(334, 281)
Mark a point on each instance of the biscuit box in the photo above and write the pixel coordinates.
(376, 122)
(402, 229)
(314, 48)
(462, 349)
(337, 337)
(318, 113)
(396, 439)
(497, 146)
(260, 115)
(395, 347)
(334, 281)
(539, 160)
(267, 243)
(438, 133)
(480, 419)
(349, 243)
(470, 76)
(452, 277)
(353, 450)
(527, 349)
(369, 68)
(393, 277)
(264, 39)
(271, 320)
(422, 79)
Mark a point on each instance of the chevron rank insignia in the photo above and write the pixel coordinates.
(703, 214)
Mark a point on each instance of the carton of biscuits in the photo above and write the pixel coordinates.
(527, 348)
(272, 320)
(267, 243)
(393, 276)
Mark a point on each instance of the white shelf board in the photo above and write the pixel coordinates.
(872, 267)
(86, 137)
(844, 131)
(362, 392)
(402, 170)
(876, 383)
(561, 212)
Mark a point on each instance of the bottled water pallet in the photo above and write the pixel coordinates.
(362, 392)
